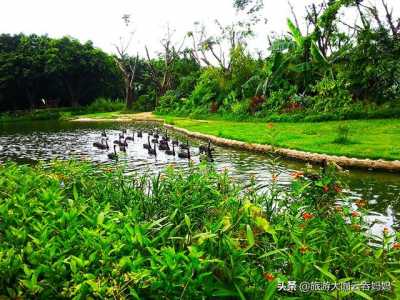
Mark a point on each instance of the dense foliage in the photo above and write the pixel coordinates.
(77, 231)
(62, 72)
(328, 70)
(41, 72)
(338, 70)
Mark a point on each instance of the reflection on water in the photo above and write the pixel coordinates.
(42, 141)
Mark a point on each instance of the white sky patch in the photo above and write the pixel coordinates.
(100, 20)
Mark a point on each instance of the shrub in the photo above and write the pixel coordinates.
(168, 102)
(211, 86)
(146, 102)
(342, 136)
(331, 95)
(72, 230)
(105, 105)
(256, 103)
(277, 100)
(240, 108)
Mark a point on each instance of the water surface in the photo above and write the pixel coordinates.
(47, 140)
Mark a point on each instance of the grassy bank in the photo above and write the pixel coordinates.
(376, 139)
(78, 231)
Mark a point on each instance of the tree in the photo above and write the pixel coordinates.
(35, 67)
(127, 65)
(160, 70)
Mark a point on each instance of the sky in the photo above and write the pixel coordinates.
(101, 20)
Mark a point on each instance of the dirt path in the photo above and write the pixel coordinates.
(136, 117)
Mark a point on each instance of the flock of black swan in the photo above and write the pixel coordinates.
(164, 142)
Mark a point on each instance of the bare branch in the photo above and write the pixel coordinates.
(293, 14)
(389, 18)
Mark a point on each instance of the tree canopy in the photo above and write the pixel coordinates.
(329, 65)
(34, 67)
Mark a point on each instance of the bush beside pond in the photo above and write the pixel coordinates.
(78, 230)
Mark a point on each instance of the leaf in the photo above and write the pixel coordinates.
(317, 54)
(271, 253)
(378, 253)
(72, 265)
(138, 235)
(265, 225)
(226, 221)
(75, 192)
(362, 294)
(326, 273)
(250, 236)
(157, 222)
(100, 218)
(187, 221)
(224, 293)
(298, 37)
(202, 237)
(124, 261)
(271, 289)
(134, 294)
(242, 297)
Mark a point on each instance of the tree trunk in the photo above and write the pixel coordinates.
(31, 99)
(129, 97)
(73, 95)
(74, 102)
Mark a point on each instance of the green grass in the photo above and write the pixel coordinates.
(366, 138)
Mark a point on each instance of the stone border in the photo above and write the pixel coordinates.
(117, 120)
(342, 161)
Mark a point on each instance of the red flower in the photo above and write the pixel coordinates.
(307, 216)
(337, 188)
(296, 175)
(338, 208)
(269, 277)
(355, 214)
(270, 125)
(361, 203)
(303, 249)
(325, 189)
(396, 246)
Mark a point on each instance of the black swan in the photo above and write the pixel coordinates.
(152, 151)
(102, 145)
(171, 152)
(113, 155)
(147, 145)
(184, 154)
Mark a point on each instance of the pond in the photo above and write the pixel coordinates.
(43, 141)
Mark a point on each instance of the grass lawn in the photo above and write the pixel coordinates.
(367, 138)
